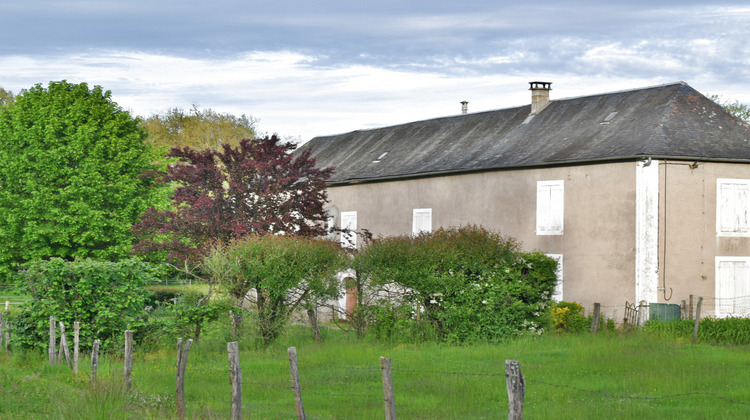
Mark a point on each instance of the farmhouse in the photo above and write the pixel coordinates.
(641, 195)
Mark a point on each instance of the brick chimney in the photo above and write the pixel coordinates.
(539, 96)
(464, 107)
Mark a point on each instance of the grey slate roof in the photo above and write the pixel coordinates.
(669, 121)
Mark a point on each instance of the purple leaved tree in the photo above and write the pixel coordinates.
(256, 187)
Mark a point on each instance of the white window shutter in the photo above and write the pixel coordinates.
(543, 206)
(732, 204)
(421, 221)
(549, 207)
(741, 286)
(349, 221)
(556, 208)
(725, 208)
(740, 207)
(732, 286)
(557, 295)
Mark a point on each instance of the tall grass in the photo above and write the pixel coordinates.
(571, 376)
(726, 331)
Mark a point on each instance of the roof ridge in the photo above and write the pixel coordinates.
(615, 92)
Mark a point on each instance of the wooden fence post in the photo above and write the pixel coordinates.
(697, 319)
(128, 370)
(389, 396)
(683, 309)
(64, 350)
(235, 377)
(182, 356)
(76, 338)
(690, 308)
(595, 320)
(94, 360)
(2, 325)
(294, 372)
(642, 315)
(516, 385)
(52, 340)
(7, 337)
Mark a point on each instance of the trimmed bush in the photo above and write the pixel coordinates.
(470, 283)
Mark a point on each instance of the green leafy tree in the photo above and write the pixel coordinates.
(736, 108)
(198, 129)
(283, 271)
(105, 297)
(70, 176)
(6, 97)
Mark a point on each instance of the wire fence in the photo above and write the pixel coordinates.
(727, 307)
(633, 314)
(368, 392)
(369, 375)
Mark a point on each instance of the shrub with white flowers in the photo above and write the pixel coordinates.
(469, 284)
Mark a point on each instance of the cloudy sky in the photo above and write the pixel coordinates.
(313, 67)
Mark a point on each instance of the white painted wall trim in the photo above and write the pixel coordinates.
(646, 231)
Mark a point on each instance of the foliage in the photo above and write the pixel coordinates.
(282, 271)
(105, 297)
(70, 185)
(197, 129)
(569, 317)
(739, 110)
(6, 97)
(722, 331)
(257, 187)
(470, 283)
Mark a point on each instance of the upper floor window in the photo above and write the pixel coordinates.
(549, 207)
(732, 207)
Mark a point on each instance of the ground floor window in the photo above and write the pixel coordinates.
(732, 286)
(558, 294)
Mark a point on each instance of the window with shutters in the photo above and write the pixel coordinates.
(557, 295)
(732, 286)
(349, 223)
(549, 207)
(421, 221)
(732, 207)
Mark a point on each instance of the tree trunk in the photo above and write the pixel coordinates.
(197, 335)
(313, 317)
(236, 316)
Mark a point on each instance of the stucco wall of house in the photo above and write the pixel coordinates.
(689, 243)
(597, 244)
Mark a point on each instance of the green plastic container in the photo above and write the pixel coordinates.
(664, 311)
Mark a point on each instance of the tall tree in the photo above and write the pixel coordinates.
(70, 184)
(6, 97)
(256, 187)
(198, 129)
(736, 108)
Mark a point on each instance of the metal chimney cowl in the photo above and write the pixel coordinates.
(539, 96)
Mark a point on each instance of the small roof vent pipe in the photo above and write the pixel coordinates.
(464, 107)
(539, 96)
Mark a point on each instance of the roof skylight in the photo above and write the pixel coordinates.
(380, 157)
(609, 117)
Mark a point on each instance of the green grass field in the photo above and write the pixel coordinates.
(574, 376)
